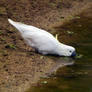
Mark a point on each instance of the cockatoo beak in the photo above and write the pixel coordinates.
(73, 54)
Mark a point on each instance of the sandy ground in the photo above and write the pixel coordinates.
(20, 66)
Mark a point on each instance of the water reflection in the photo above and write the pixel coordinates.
(60, 62)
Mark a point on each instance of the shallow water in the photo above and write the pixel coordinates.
(77, 77)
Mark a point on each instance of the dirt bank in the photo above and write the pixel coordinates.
(19, 64)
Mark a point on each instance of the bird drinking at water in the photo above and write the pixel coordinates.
(41, 40)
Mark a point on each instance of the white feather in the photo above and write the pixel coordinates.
(41, 40)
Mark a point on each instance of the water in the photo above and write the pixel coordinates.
(77, 77)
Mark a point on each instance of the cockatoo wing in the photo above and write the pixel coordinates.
(41, 41)
(37, 38)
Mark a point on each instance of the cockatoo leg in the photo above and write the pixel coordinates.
(36, 50)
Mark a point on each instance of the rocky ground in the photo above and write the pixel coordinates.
(19, 64)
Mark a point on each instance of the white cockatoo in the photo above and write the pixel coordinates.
(42, 41)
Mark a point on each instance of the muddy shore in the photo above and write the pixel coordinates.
(20, 66)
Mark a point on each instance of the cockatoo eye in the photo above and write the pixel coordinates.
(70, 51)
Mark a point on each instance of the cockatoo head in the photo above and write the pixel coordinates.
(65, 50)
